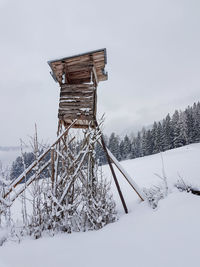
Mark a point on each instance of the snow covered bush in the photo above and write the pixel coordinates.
(154, 195)
(181, 185)
(74, 197)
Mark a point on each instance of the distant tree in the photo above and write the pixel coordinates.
(100, 154)
(155, 138)
(138, 145)
(122, 150)
(183, 128)
(190, 125)
(127, 147)
(133, 146)
(159, 145)
(177, 140)
(18, 167)
(144, 142)
(196, 116)
(167, 133)
(149, 143)
(113, 145)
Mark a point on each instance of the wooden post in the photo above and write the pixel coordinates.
(126, 176)
(113, 172)
(52, 166)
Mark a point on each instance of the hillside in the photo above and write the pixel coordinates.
(166, 236)
(181, 162)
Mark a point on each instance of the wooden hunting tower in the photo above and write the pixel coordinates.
(78, 77)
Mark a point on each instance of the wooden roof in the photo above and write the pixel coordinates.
(77, 69)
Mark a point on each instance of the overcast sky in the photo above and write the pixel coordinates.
(153, 50)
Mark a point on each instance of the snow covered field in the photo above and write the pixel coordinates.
(181, 162)
(167, 236)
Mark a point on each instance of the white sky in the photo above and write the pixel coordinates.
(153, 50)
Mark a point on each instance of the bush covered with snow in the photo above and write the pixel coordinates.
(74, 197)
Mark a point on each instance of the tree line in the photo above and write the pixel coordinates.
(182, 128)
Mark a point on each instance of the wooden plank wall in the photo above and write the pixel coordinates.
(77, 101)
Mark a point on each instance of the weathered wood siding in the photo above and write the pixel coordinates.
(77, 102)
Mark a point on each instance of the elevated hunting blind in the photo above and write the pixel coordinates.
(78, 77)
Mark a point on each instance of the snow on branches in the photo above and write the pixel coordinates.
(74, 197)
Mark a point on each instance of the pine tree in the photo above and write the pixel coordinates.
(138, 145)
(149, 143)
(113, 145)
(143, 141)
(159, 146)
(122, 150)
(190, 125)
(155, 138)
(100, 154)
(133, 148)
(196, 115)
(177, 142)
(18, 167)
(183, 128)
(127, 147)
(167, 133)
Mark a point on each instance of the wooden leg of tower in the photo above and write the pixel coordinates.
(113, 172)
(59, 125)
(52, 166)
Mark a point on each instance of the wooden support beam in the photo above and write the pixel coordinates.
(95, 76)
(52, 166)
(67, 78)
(23, 175)
(113, 172)
(30, 180)
(126, 175)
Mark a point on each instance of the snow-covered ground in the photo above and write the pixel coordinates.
(181, 162)
(167, 236)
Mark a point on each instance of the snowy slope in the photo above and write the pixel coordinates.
(181, 162)
(167, 236)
